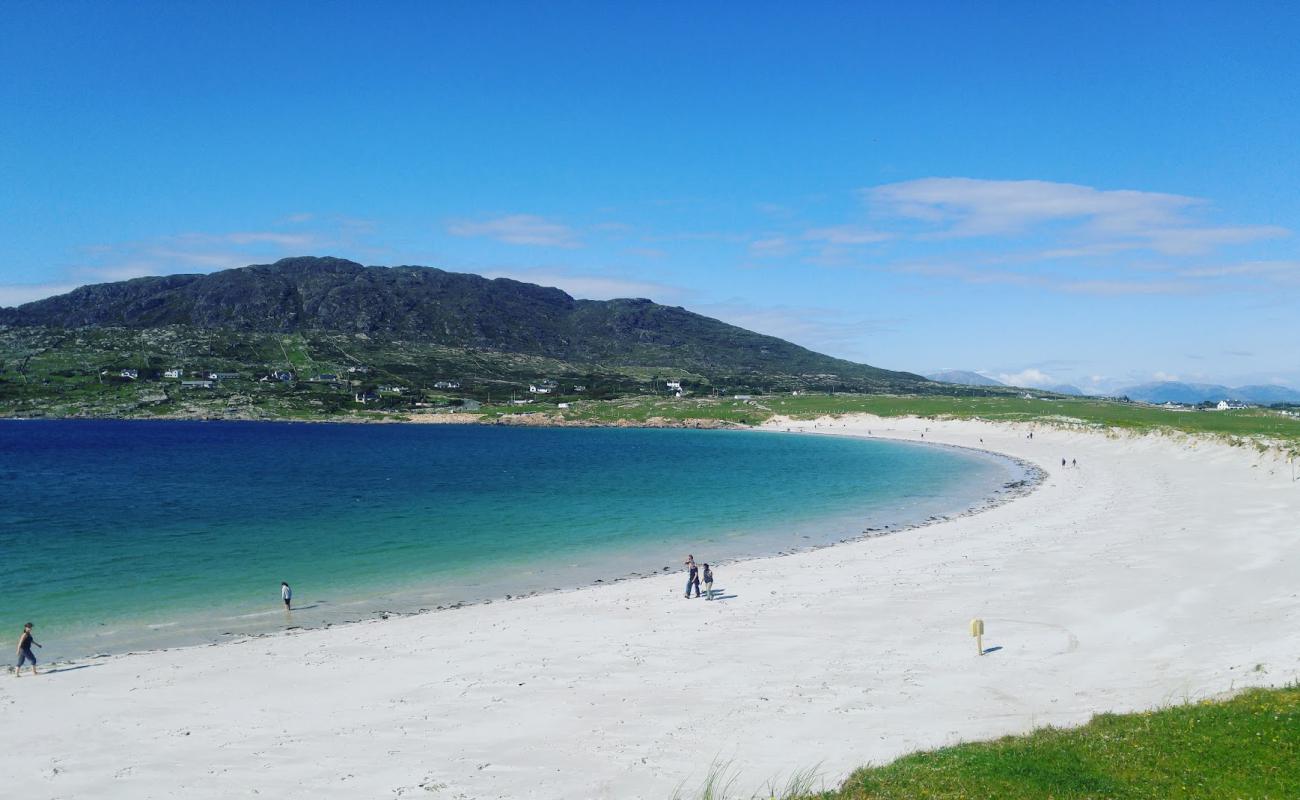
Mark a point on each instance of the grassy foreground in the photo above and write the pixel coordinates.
(1244, 748)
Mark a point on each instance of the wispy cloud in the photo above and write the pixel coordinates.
(196, 251)
(592, 287)
(520, 229)
(970, 274)
(301, 241)
(771, 247)
(1280, 270)
(825, 330)
(1102, 220)
(1027, 377)
(847, 235)
(973, 207)
(15, 294)
(1129, 287)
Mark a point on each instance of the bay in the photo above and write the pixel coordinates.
(120, 535)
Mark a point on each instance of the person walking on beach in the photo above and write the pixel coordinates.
(708, 583)
(25, 642)
(692, 576)
(286, 594)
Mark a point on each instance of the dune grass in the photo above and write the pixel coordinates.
(1246, 747)
(1263, 425)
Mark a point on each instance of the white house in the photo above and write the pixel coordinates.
(172, 373)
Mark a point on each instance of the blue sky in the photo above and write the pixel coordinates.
(1097, 193)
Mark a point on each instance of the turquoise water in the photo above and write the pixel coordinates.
(120, 535)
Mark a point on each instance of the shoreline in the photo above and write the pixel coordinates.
(1030, 477)
(1156, 571)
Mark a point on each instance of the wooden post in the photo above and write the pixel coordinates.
(977, 630)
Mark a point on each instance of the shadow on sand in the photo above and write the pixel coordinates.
(57, 670)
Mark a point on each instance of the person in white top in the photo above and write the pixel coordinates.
(287, 595)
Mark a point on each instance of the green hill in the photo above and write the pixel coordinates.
(318, 336)
(330, 295)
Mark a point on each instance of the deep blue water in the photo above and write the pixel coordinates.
(128, 534)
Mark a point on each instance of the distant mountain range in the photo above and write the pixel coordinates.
(968, 378)
(963, 377)
(1192, 393)
(1062, 388)
(467, 312)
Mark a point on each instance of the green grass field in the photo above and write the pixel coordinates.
(1246, 747)
(1243, 748)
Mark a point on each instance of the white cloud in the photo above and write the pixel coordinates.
(1163, 376)
(1130, 287)
(1106, 220)
(165, 259)
(1027, 377)
(821, 329)
(591, 287)
(522, 229)
(1191, 241)
(194, 251)
(972, 207)
(772, 247)
(1271, 269)
(300, 241)
(15, 294)
(847, 235)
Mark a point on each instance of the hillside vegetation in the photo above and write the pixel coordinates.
(324, 338)
(430, 308)
(1247, 747)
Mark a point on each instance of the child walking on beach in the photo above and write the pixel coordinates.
(708, 583)
(25, 642)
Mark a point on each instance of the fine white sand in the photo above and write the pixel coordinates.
(1158, 571)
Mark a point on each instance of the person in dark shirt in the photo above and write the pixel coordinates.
(708, 583)
(692, 576)
(25, 643)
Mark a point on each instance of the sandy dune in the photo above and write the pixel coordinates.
(1157, 571)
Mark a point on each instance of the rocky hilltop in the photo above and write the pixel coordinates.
(311, 295)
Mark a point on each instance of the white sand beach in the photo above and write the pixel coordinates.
(1159, 570)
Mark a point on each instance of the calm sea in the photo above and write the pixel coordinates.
(130, 535)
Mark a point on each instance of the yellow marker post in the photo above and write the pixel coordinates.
(977, 630)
